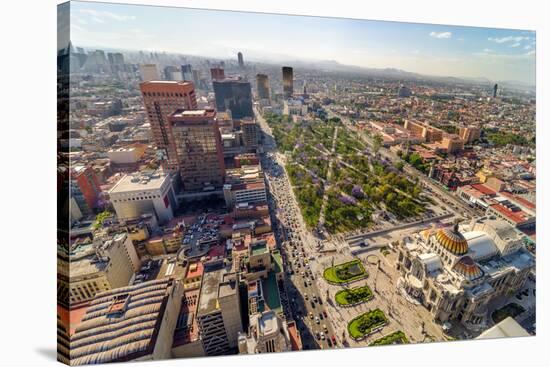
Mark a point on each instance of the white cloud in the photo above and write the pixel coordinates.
(118, 17)
(441, 35)
(102, 16)
(508, 39)
(527, 47)
(77, 27)
(517, 44)
(490, 54)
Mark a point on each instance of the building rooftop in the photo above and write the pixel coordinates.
(278, 261)
(271, 293)
(517, 217)
(166, 82)
(480, 245)
(121, 324)
(268, 323)
(85, 261)
(139, 182)
(183, 116)
(195, 269)
(215, 284)
(258, 248)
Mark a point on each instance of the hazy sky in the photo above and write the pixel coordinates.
(498, 54)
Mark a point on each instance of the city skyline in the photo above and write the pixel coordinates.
(438, 50)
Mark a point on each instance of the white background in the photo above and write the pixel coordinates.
(27, 212)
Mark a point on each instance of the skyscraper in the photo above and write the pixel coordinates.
(186, 72)
(250, 132)
(288, 82)
(149, 72)
(172, 73)
(115, 58)
(96, 62)
(219, 312)
(116, 61)
(199, 148)
(240, 59)
(403, 92)
(495, 90)
(85, 188)
(233, 94)
(197, 78)
(161, 98)
(262, 82)
(217, 73)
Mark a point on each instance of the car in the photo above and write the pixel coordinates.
(320, 301)
(333, 340)
(317, 336)
(306, 297)
(322, 336)
(321, 316)
(311, 315)
(314, 298)
(305, 284)
(325, 328)
(329, 343)
(325, 314)
(317, 321)
(312, 304)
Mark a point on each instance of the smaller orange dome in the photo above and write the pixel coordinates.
(468, 268)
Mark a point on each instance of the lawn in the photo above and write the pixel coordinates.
(398, 337)
(345, 273)
(364, 324)
(349, 297)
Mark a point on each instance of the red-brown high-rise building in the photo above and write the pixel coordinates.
(85, 188)
(199, 149)
(217, 73)
(162, 98)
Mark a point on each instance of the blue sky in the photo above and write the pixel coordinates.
(498, 54)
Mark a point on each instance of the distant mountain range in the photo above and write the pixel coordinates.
(331, 65)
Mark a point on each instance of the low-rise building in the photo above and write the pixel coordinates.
(469, 134)
(141, 193)
(95, 268)
(134, 323)
(244, 193)
(294, 107)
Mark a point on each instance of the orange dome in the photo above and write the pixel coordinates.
(452, 241)
(467, 267)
